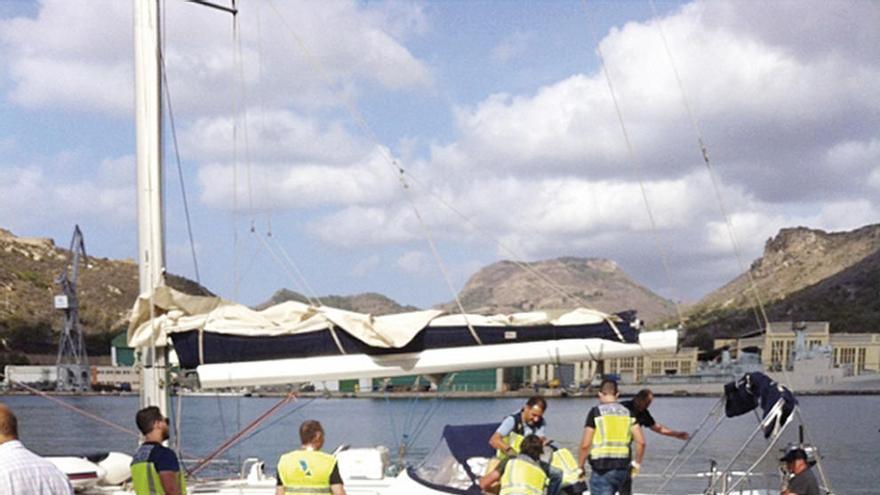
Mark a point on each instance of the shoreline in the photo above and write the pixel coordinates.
(550, 394)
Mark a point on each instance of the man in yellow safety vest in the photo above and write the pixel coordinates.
(524, 474)
(308, 471)
(155, 469)
(608, 432)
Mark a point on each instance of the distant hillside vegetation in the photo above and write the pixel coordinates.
(505, 287)
(370, 302)
(29, 322)
(804, 274)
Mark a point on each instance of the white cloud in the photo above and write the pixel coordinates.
(80, 57)
(366, 266)
(298, 185)
(38, 193)
(414, 262)
(512, 46)
(273, 135)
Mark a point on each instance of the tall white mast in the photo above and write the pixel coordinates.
(151, 242)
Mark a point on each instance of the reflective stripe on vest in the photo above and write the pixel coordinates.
(613, 433)
(522, 477)
(145, 479)
(306, 471)
(564, 460)
(517, 434)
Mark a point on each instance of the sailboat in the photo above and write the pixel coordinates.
(230, 345)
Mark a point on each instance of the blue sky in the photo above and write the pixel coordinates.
(497, 107)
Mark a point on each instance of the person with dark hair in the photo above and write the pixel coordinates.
(801, 480)
(527, 421)
(639, 405)
(22, 471)
(608, 432)
(154, 467)
(307, 470)
(525, 474)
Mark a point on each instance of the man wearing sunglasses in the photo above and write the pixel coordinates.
(155, 468)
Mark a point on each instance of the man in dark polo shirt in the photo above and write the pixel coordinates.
(638, 406)
(802, 481)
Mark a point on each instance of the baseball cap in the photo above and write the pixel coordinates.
(794, 454)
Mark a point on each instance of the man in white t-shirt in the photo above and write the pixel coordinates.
(22, 471)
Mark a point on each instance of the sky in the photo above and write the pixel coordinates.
(515, 140)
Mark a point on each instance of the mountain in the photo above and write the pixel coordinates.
(107, 290)
(370, 302)
(506, 287)
(803, 274)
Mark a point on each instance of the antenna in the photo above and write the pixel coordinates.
(73, 364)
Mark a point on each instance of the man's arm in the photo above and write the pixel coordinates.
(497, 442)
(489, 479)
(169, 482)
(586, 443)
(279, 490)
(658, 428)
(639, 440)
(337, 489)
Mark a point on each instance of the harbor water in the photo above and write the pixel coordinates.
(845, 428)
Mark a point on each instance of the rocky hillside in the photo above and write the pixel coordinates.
(506, 287)
(28, 268)
(804, 274)
(370, 302)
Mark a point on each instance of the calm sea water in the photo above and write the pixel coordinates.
(846, 428)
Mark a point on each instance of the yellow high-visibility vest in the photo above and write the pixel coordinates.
(306, 472)
(613, 433)
(522, 477)
(145, 479)
(564, 460)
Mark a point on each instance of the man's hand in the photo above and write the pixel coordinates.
(634, 468)
(681, 435)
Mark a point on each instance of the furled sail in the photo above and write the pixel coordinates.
(233, 345)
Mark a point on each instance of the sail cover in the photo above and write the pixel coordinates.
(207, 330)
(458, 460)
(745, 394)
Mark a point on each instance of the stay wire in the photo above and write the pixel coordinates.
(408, 179)
(298, 272)
(636, 165)
(361, 122)
(171, 121)
(299, 282)
(667, 478)
(704, 152)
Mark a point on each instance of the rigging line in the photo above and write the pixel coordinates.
(226, 445)
(696, 449)
(713, 176)
(430, 239)
(261, 107)
(75, 409)
(403, 175)
(361, 122)
(299, 272)
(297, 282)
(189, 230)
(825, 481)
(636, 165)
(711, 413)
(770, 415)
(239, 64)
(251, 261)
(763, 455)
(277, 420)
(517, 257)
